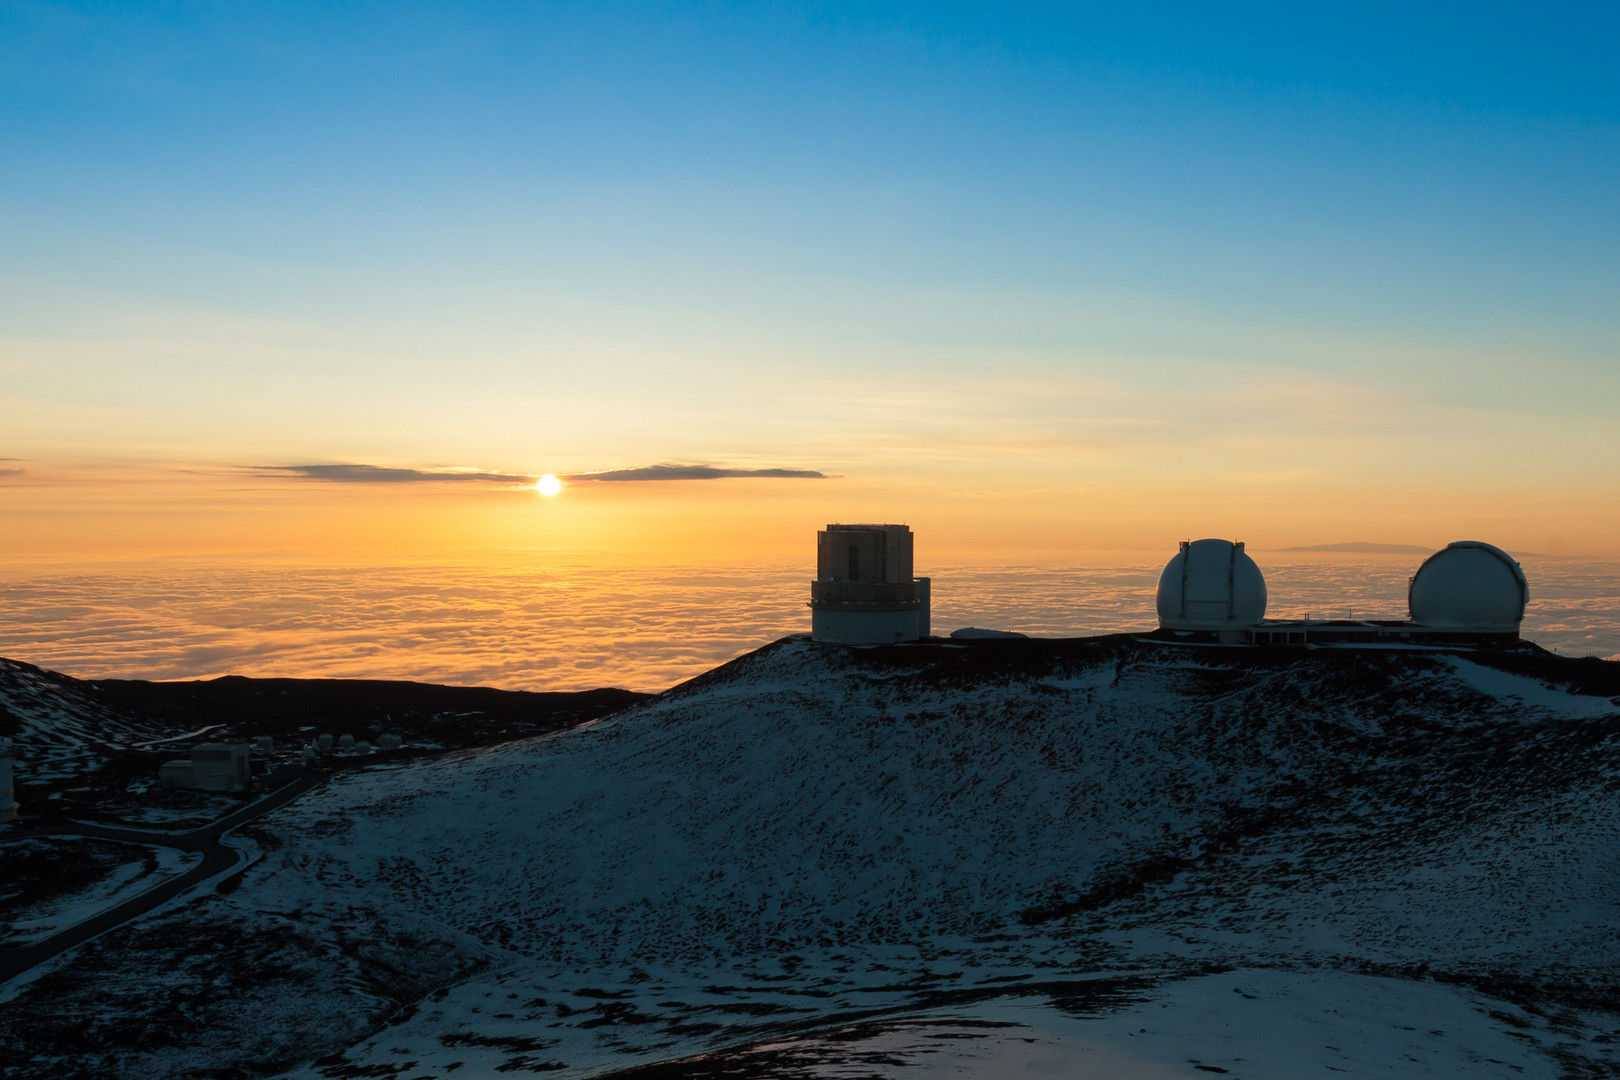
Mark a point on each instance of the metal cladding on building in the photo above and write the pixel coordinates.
(1211, 585)
(1469, 585)
(864, 592)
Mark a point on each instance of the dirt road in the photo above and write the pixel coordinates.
(217, 858)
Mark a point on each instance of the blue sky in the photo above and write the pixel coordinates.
(256, 232)
(1446, 172)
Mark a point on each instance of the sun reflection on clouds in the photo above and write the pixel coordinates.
(573, 626)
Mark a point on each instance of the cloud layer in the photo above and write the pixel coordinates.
(572, 626)
(691, 472)
(377, 474)
(351, 473)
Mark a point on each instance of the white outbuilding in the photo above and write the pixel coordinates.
(1469, 586)
(864, 592)
(1211, 586)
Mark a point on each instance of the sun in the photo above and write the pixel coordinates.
(548, 485)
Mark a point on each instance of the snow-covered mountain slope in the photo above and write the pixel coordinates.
(61, 726)
(810, 834)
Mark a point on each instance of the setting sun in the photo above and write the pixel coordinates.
(548, 485)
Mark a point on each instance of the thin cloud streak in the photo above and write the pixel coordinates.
(377, 474)
(355, 473)
(691, 472)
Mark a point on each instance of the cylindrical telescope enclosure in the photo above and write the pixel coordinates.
(1469, 585)
(1211, 585)
(865, 592)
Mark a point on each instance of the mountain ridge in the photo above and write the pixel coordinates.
(812, 832)
(1364, 547)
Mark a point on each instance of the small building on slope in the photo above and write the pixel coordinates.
(213, 767)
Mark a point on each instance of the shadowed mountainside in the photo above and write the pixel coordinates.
(94, 747)
(454, 716)
(812, 835)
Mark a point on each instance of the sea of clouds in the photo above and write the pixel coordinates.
(550, 625)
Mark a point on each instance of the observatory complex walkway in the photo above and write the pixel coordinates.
(217, 858)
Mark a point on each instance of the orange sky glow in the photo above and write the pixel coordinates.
(962, 517)
(332, 286)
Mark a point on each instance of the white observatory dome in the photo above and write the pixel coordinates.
(1469, 585)
(1211, 585)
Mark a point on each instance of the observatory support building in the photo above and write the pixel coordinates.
(864, 592)
(213, 767)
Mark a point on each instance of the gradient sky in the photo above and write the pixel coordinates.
(1037, 281)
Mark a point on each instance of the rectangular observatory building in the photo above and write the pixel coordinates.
(865, 592)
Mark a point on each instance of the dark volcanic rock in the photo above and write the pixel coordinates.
(365, 708)
(815, 836)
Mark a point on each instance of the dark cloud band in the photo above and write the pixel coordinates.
(691, 472)
(377, 474)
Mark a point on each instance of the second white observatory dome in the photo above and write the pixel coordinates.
(1469, 585)
(1211, 585)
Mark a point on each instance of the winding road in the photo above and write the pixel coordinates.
(217, 858)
